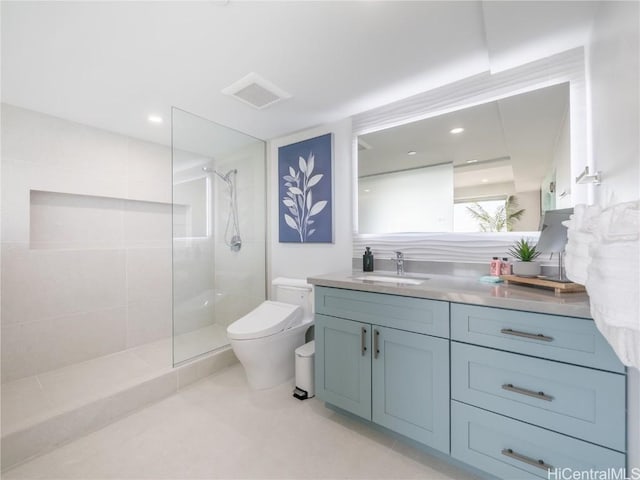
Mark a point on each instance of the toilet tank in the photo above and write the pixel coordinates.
(295, 291)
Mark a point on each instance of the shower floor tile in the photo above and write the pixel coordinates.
(197, 342)
(220, 428)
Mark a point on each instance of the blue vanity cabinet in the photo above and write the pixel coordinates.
(396, 378)
(410, 385)
(533, 392)
(343, 364)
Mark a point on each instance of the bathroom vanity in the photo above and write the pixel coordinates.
(507, 379)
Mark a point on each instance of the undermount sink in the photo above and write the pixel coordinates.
(390, 279)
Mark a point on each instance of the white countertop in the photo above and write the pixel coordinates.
(464, 290)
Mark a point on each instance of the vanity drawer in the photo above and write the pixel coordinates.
(418, 315)
(567, 339)
(581, 402)
(511, 449)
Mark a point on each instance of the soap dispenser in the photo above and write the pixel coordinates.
(367, 261)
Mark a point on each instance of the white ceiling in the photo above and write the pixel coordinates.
(111, 64)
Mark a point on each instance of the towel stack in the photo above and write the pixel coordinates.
(611, 270)
(581, 230)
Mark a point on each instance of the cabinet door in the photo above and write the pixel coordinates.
(411, 385)
(343, 364)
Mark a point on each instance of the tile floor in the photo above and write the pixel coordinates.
(31, 399)
(219, 428)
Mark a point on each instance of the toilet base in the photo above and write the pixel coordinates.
(270, 361)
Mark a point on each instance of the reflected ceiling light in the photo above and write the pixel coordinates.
(367, 190)
(154, 119)
(485, 180)
(411, 152)
(456, 130)
(472, 161)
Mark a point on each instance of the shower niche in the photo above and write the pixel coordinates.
(219, 222)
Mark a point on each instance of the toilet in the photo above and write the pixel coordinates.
(265, 339)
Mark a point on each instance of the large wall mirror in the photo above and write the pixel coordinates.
(440, 195)
(493, 167)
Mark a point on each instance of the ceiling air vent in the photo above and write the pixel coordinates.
(256, 91)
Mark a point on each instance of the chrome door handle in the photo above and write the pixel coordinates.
(376, 343)
(529, 393)
(524, 459)
(363, 340)
(532, 336)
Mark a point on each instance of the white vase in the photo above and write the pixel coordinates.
(526, 269)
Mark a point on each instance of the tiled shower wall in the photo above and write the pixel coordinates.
(86, 242)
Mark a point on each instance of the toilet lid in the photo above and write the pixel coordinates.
(269, 318)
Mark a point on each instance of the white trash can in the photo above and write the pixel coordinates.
(305, 385)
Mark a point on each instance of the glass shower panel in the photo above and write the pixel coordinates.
(219, 221)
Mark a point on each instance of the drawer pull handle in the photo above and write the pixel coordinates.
(532, 336)
(524, 391)
(376, 343)
(528, 460)
(363, 341)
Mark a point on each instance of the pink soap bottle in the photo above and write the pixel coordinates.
(505, 267)
(494, 267)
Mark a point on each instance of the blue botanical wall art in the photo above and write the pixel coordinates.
(304, 179)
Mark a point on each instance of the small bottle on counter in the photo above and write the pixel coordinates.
(505, 266)
(494, 267)
(367, 260)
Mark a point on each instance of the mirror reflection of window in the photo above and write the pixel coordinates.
(515, 147)
(416, 200)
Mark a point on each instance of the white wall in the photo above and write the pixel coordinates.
(303, 260)
(86, 242)
(613, 59)
(613, 78)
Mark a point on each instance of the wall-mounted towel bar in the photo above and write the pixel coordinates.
(586, 177)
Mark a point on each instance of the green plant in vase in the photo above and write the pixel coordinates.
(525, 254)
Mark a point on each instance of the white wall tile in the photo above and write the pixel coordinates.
(149, 175)
(65, 299)
(25, 349)
(147, 224)
(148, 320)
(83, 336)
(148, 273)
(59, 220)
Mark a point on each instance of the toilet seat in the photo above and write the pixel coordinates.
(267, 319)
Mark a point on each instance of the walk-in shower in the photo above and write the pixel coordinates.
(218, 192)
(121, 258)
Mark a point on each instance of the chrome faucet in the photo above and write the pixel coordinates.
(399, 263)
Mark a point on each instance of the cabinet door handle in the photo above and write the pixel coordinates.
(524, 391)
(363, 340)
(532, 336)
(528, 460)
(376, 343)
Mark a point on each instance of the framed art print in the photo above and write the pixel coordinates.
(305, 191)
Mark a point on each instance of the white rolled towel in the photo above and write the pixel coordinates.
(613, 280)
(581, 229)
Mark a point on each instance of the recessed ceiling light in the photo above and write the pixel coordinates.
(411, 152)
(456, 130)
(367, 190)
(472, 161)
(485, 180)
(154, 118)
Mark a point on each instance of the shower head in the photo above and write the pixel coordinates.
(227, 176)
